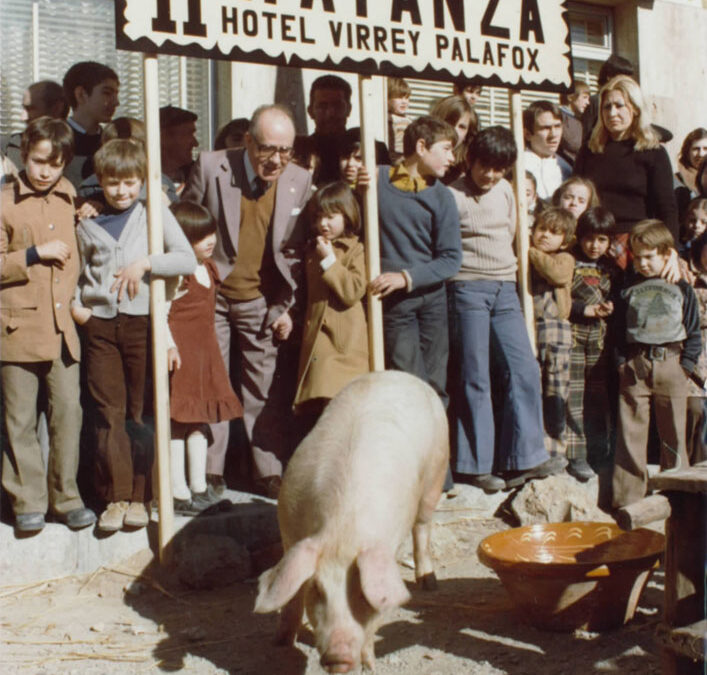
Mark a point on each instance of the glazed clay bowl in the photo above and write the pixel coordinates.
(564, 576)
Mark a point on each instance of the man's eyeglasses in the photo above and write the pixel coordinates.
(265, 152)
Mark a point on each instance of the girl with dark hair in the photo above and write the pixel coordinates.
(200, 390)
(692, 153)
(335, 341)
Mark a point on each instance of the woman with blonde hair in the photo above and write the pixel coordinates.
(630, 168)
(457, 111)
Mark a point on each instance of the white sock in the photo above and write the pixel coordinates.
(196, 455)
(180, 490)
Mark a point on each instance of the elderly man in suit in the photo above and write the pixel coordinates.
(255, 195)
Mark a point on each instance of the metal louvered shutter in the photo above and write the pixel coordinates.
(492, 107)
(68, 31)
(15, 66)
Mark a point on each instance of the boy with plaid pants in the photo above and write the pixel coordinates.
(588, 417)
(552, 269)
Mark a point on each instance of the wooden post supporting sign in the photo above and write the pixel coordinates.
(158, 306)
(522, 229)
(369, 107)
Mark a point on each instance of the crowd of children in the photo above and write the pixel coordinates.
(452, 315)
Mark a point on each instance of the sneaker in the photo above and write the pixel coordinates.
(113, 517)
(183, 507)
(549, 467)
(136, 515)
(487, 482)
(579, 468)
(202, 500)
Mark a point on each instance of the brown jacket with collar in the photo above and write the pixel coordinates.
(335, 339)
(35, 301)
(558, 270)
(217, 181)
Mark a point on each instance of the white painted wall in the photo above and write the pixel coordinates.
(672, 52)
(253, 85)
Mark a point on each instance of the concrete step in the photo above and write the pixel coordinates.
(57, 551)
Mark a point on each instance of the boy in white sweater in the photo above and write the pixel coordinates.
(489, 332)
(113, 304)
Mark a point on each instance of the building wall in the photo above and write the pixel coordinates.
(666, 39)
(672, 60)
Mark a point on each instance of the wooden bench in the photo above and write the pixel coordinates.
(683, 633)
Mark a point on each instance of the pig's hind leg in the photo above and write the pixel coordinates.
(424, 570)
(421, 531)
(290, 620)
(421, 535)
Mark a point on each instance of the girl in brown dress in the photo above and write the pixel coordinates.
(200, 390)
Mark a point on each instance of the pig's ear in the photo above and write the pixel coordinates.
(380, 579)
(278, 585)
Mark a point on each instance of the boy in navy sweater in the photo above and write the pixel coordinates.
(420, 250)
(658, 342)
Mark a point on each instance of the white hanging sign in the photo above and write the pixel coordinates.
(511, 43)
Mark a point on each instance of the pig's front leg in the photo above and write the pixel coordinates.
(368, 657)
(290, 620)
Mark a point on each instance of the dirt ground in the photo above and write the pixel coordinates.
(123, 620)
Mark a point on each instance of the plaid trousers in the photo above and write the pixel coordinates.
(554, 341)
(588, 403)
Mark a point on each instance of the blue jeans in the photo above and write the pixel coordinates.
(488, 326)
(416, 336)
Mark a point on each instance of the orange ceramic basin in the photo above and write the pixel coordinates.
(563, 576)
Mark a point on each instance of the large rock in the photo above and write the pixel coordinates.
(210, 561)
(557, 499)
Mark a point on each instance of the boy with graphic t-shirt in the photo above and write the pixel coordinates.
(658, 342)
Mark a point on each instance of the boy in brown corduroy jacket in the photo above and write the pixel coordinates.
(39, 267)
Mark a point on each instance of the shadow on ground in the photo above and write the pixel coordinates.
(469, 618)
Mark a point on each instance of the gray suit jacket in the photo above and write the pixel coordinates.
(217, 180)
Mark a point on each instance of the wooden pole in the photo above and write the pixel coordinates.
(370, 105)
(522, 229)
(158, 306)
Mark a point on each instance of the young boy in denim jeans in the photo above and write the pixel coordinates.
(39, 265)
(113, 306)
(658, 342)
(420, 250)
(489, 330)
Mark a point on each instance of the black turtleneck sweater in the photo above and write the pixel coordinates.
(632, 184)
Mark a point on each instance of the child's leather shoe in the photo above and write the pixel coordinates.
(29, 522)
(77, 518)
(113, 517)
(136, 515)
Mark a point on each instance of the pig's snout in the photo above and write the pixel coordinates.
(338, 658)
(334, 664)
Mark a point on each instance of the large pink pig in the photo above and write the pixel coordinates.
(369, 472)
